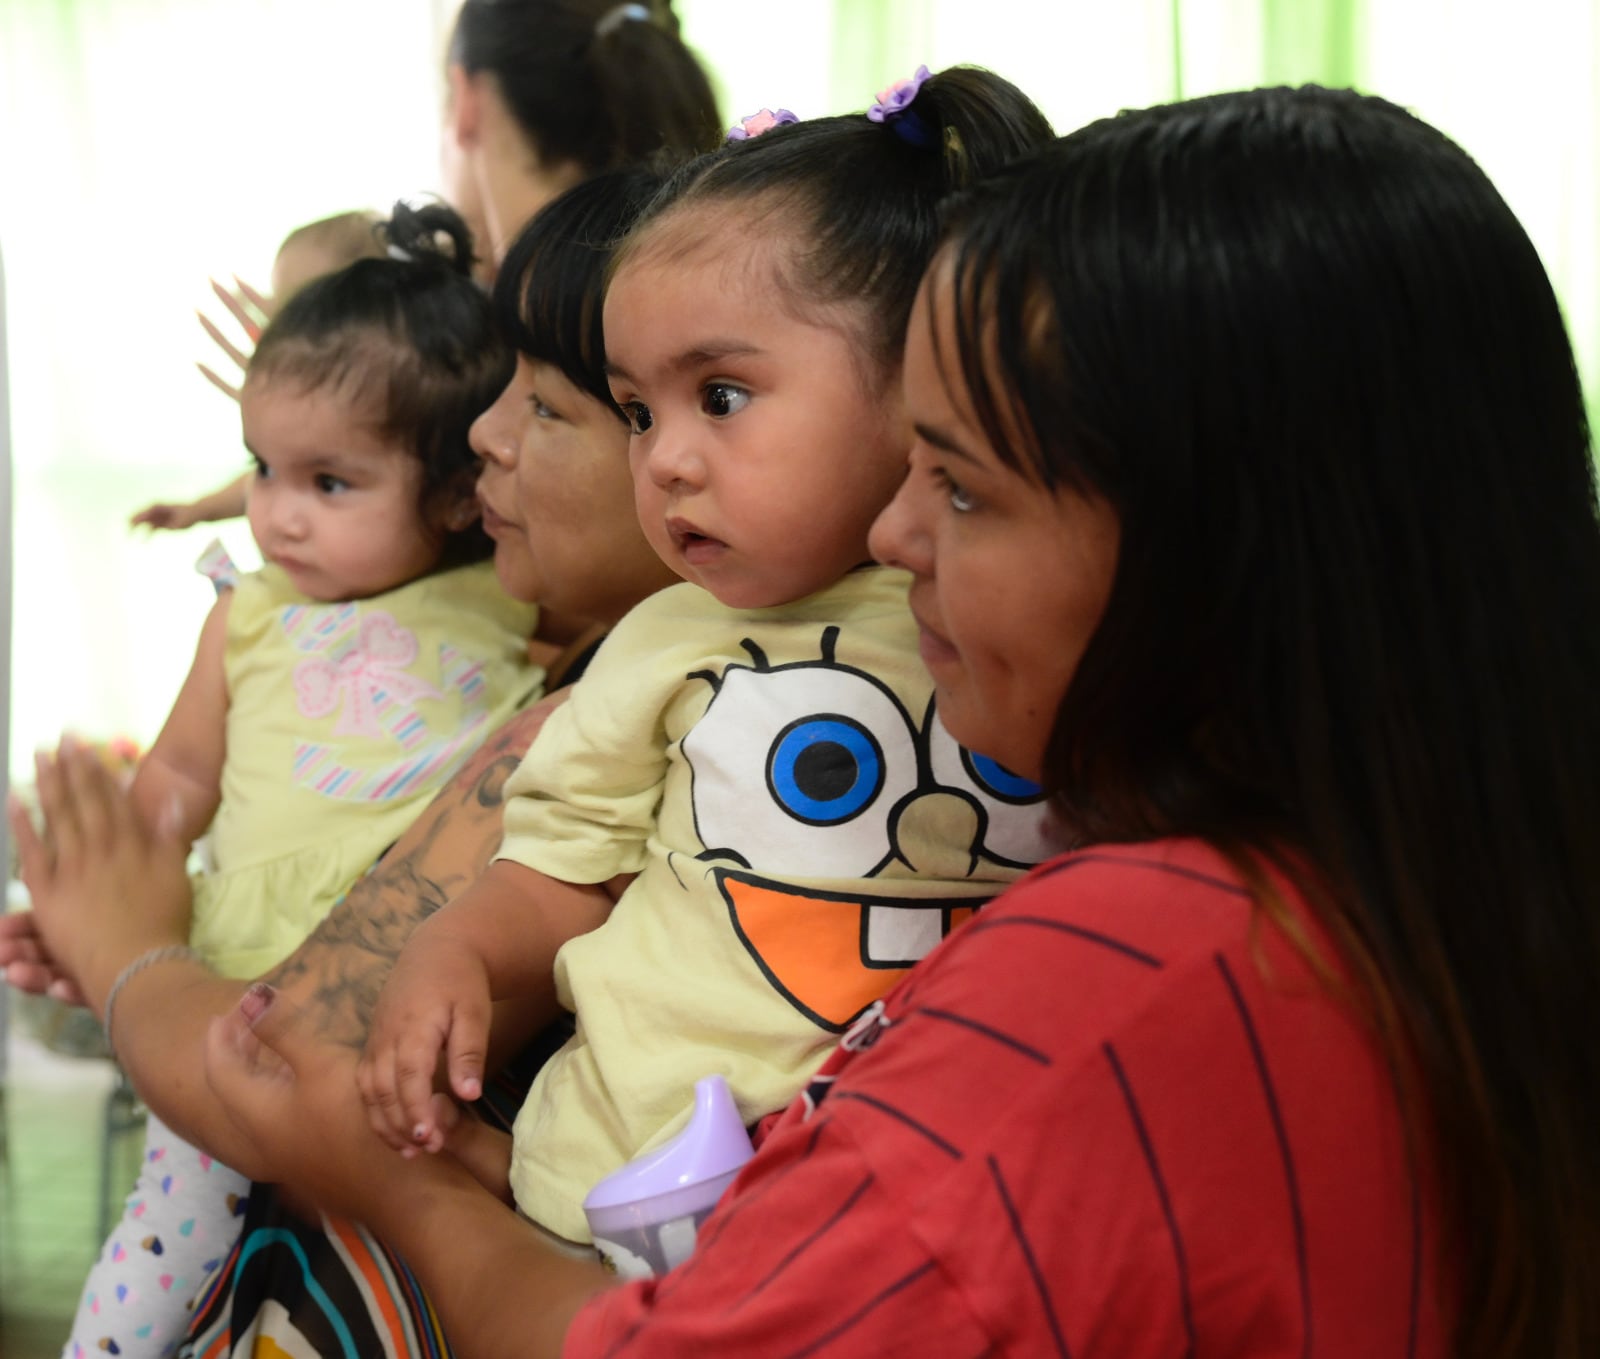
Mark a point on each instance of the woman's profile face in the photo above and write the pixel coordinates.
(557, 498)
(1010, 579)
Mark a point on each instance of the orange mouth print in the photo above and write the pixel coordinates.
(831, 954)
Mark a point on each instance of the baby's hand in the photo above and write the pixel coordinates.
(436, 1000)
(162, 515)
(25, 960)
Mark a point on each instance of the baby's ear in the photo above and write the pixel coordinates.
(462, 514)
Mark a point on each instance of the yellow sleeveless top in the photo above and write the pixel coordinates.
(343, 720)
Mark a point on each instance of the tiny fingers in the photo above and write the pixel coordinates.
(253, 296)
(416, 1064)
(220, 384)
(466, 1050)
(223, 343)
(379, 1087)
(238, 310)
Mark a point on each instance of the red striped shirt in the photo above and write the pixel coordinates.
(1115, 1115)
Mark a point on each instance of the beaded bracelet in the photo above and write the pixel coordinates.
(162, 954)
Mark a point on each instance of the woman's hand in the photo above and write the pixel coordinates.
(105, 886)
(499, 1289)
(294, 1104)
(292, 1097)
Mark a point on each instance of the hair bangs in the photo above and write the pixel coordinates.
(549, 295)
(1012, 351)
(548, 306)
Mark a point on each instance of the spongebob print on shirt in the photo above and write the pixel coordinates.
(803, 830)
(852, 784)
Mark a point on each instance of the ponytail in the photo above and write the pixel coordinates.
(866, 192)
(589, 82)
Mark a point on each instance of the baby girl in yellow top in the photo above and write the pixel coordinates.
(748, 821)
(333, 691)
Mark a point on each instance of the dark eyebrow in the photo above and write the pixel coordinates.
(943, 442)
(709, 352)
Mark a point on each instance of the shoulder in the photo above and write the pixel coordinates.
(1121, 1072)
(254, 599)
(1101, 944)
(1152, 903)
(1062, 961)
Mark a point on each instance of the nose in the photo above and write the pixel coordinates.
(493, 435)
(899, 535)
(281, 512)
(671, 459)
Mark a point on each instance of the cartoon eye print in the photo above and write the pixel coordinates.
(834, 751)
(1017, 825)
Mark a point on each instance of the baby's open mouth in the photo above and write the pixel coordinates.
(690, 541)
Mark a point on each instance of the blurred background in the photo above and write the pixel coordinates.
(148, 145)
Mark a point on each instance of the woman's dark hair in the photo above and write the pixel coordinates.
(412, 339)
(590, 82)
(865, 197)
(550, 291)
(1304, 349)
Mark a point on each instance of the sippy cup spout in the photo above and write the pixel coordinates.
(646, 1216)
(713, 1144)
(715, 1139)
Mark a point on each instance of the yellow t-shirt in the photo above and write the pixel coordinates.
(343, 720)
(804, 830)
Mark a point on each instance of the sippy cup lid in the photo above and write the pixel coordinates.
(712, 1145)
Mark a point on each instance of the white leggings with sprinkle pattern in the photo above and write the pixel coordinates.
(177, 1224)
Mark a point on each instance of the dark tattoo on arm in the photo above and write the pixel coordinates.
(338, 972)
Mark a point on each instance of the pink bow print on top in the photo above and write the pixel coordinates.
(371, 671)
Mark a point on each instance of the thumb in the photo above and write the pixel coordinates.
(465, 1050)
(253, 1040)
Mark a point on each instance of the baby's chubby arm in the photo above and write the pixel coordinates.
(579, 811)
(178, 784)
(498, 939)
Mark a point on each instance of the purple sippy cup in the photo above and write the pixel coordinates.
(644, 1217)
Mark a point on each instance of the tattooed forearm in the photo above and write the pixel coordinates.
(340, 969)
(490, 790)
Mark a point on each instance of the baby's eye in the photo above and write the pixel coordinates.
(262, 471)
(722, 399)
(329, 484)
(637, 414)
